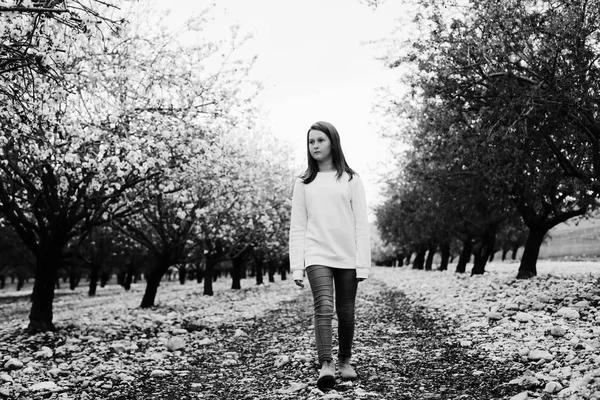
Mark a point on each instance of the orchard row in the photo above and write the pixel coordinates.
(499, 118)
(127, 145)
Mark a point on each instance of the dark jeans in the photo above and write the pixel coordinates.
(322, 280)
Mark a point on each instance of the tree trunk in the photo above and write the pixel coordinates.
(478, 263)
(400, 258)
(128, 279)
(535, 238)
(104, 278)
(465, 256)
(515, 249)
(152, 280)
(74, 278)
(182, 274)
(272, 265)
(284, 266)
(209, 269)
(429, 261)
(505, 250)
(259, 271)
(407, 259)
(482, 254)
(236, 273)
(445, 254)
(199, 271)
(419, 259)
(47, 264)
(94, 275)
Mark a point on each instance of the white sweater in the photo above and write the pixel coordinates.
(329, 225)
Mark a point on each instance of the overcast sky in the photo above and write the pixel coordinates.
(315, 66)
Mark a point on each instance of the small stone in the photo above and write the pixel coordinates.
(511, 307)
(175, 343)
(5, 392)
(118, 348)
(205, 342)
(553, 387)
(523, 317)
(179, 331)
(45, 352)
(466, 343)
(72, 341)
(54, 372)
(582, 304)
(281, 361)
(520, 396)
(125, 378)
(536, 355)
(495, 316)
(303, 358)
(538, 305)
(567, 312)
(239, 332)
(558, 331)
(13, 363)
(6, 378)
(159, 373)
(524, 351)
(229, 362)
(526, 380)
(43, 386)
(543, 298)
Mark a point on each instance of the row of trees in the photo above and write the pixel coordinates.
(500, 112)
(119, 136)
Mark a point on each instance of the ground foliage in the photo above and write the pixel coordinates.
(251, 344)
(402, 353)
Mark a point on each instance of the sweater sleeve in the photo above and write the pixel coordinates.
(363, 243)
(298, 222)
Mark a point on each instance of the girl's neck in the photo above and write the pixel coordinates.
(326, 166)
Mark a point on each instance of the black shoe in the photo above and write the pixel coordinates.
(326, 382)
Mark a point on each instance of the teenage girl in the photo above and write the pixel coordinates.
(329, 239)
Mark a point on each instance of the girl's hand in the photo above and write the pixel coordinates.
(299, 282)
(360, 279)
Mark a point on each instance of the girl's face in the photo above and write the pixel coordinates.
(319, 145)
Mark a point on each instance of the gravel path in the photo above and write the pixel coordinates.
(401, 352)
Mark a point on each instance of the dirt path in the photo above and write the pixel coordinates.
(400, 353)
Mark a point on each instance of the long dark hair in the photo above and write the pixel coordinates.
(337, 155)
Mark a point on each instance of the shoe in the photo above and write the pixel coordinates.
(326, 379)
(346, 370)
(326, 382)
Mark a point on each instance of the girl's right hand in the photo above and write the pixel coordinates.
(299, 282)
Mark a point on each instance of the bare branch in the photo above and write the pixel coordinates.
(32, 9)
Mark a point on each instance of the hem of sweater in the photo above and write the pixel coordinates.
(329, 262)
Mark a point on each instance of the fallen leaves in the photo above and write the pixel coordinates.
(421, 335)
(548, 324)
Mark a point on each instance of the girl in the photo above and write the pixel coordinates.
(329, 238)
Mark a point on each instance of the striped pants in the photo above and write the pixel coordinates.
(322, 281)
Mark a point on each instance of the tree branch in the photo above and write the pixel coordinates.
(32, 9)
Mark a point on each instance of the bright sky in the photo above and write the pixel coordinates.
(315, 66)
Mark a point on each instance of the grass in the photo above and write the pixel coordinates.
(573, 241)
